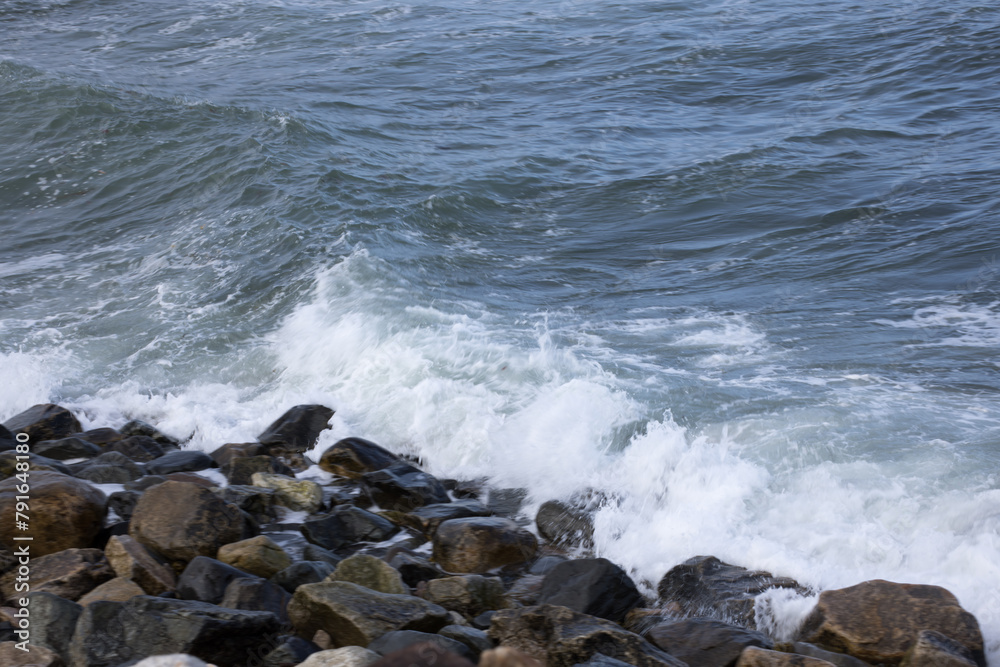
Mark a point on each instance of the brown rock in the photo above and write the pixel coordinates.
(192, 478)
(479, 544)
(69, 574)
(932, 649)
(44, 422)
(705, 642)
(353, 457)
(118, 589)
(504, 656)
(759, 657)
(35, 656)
(878, 621)
(66, 513)
(258, 555)
(130, 559)
(232, 450)
(470, 594)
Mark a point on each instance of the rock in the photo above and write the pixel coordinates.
(561, 637)
(302, 573)
(759, 657)
(109, 633)
(252, 594)
(118, 589)
(233, 450)
(398, 640)
(469, 595)
(352, 614)
(182, 521)
(525, 590)
(241, 469)
(414, 569)
(506, 502)
(144, 483)
(601, 660)
(7, 440)
(315, 552)
(9, 461)
(932, 649)
(66, 513)
(484, 620)
(475, 640)
(111, 468)
(299, 495)
(476, 545)
(838, 659)
(545, 564)
(175, 660)
(102, 437)
(180, 461)
(349, 656)
(370, 572)
(136, 427)
(70, 574)
(259, 556)
(35, 656)
(504, 656)
(138, 448)
(256, 501)
(705, 586)
(298, 429)
(426, 519)
(192, 478)
(67, 448)
(353, 457)
(705, 642)
(878, 621)
(131, 560)
(44, 422)
(53, 620)
(291, 651)
(346, 525)
(205, 579)
(565, 524)
(424, 654)
(403, 488)
(123, 503)
(593, 586)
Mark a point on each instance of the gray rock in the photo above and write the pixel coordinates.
(370, 572)
(403, 488)
(593, 586)
(469, 595)
(348, 656)
(136, 427)
(297, 429)
(353, 457)
(252, 594)
(346, 525)
(291, 651)
(476, 640)
(180, 461)
(138, 448)
(565, 524)
(415, 569)
(206, 579)
(301, 573)
(70, 574)
(67, 448)
(400, 639)
(240, 470)
(257, 501)
(123, 503)
(46, 421)
(316, 552)
(65, 512)
(427, 519)
(705, 642)
(111, 468)
(506, 502)
(479, 544)
(53, 620)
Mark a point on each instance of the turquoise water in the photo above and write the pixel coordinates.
(735, 263)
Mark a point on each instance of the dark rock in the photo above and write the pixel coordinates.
(354, 615)
(130, 559)
(415, 569)
(241, 469)
(290, 652)
(545, 564)
(182, 521)
(206, 579)
(138, 448)
(316, 552)
(479, 544)
(353, 457)
(118, 589)
(878, 621)
(427, 519)
(111, 468)
(483, 621)
(753, 656)
(9, 461)
(11, 655)
(143, 483)
(180, 461)
(102, 437)
(593, 586)
(302, 573)
(506, 502)
(525, 590)
(601, 660)
(298, 429)
(398, 640)
(259, 502)
(65, 512)
(705, 642)
(7, 440)
(425, 654)
(565, 524)
(476, 640)
(136, 427)
(468, 594)
(347, 525)
(109, 633)
(705, 586)
(837, 659)
(53, 620)
(932, 649)
(111, 530)
(252, 594)
(67, 448)
(192, 478)
(44, 422)
(70, 574)
(403, 488)
(123, 503)
(561, 637)
(233, 450)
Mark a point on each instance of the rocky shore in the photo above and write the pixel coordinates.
(247, 557)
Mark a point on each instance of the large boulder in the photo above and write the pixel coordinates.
(66, 513)
(181, 521)
(370, 572)
(234, 450)
(298, 429)
(110, 633)
(46, 421)
(753, 656)
(561, 637)
(346, 525)
(206, 579)
(426, 519)
(138, 448)
(403, 488)
(53, 620)
(111, 468)
(705, 642)
(353, 614)
(705, 586)
(9, 461)
(476, 545)
(468, 594)
(348, 656)
(241, 469)
(878, 621)
(130, 559)
(593, 586)
(70, 574)
(565, 523)
(353, 457)
(298, 495)
(932, 649)
(252, 594)
(259, 556)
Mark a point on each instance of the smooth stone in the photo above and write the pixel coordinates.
(403, 488)
(174, 660)
(180, 461)
(477, 545)
(67, 448)
(353, 457)
(401, 639)
(137, 427)
(118, 589)
(415, 569)
(705, 642)
(45, 421)
(593, 586)
(427, 518)
(66, 513)
(370, 572)
(565, 524)
(205, 579)
(346, 525)
(139, 448)
(301, 573)
(298, 429)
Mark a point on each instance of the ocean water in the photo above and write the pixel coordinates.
(733, 264)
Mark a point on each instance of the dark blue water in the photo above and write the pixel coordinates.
(735, 262)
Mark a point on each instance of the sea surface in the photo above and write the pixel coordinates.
(735, 265)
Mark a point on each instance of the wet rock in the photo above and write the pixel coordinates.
(561, 637)
(484, 620)
(259, 556)
(9, 461)
(506, 502)
(241, 469)
(593, 586)
(759, 657)
(427, 519)
(290, 652)
(353, 457)
(123, 503)
(136, 427)
(192, 478)
(109, 633)
(7, 440)
(475, 640)
(35, 656)
(476, 545)
(469, 595)
(352, 614)
(838, 659)
(182, 521)
(705, 642)
(415, 569)
(111, 468)
(118, 589)
(346, 525)
(315, 552)
(370, 572)
(102, 437)
(525, 590)
(403, 488)
(565, 524)
(348, 656)
(65, 513)
(144, 483)
(46, 421)
(252, 594)
(297, 429)
(705, 586)
(504, 656)
(545, 564)
(70, 574)
(256, 501)
(878, 621)
(933, 649)
(425, 654)
(206, 579)
(601, 660)
(53, 620)
(398, 640)
(130, 559)
(139, 448)
(234, 450)
(298, 495)
(180, 461)
(67, 448)
(302, 573)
